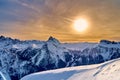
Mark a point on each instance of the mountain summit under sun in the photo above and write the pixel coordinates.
(85, 46)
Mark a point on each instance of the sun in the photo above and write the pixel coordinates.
(80, 25)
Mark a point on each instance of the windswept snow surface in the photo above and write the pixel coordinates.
(106, 71)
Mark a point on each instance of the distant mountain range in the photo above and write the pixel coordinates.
(20, 58)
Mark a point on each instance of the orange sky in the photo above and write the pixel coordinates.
(39, 19)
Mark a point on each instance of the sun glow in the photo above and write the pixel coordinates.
(80, 25)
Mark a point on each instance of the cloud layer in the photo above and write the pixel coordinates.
(38, 19)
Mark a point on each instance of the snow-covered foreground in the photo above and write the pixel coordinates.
(106, 71)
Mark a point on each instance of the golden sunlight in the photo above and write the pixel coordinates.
(80, 25)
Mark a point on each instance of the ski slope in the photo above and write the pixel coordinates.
(108, 70)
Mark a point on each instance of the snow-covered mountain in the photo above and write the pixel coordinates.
(106, 71)
(20, 58)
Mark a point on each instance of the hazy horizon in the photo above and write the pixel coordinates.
(59, 40)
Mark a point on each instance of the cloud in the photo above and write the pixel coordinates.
(43, 18)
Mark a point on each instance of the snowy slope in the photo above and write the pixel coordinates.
(108, 70)
(4, 75)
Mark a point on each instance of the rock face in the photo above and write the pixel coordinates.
(20, 58)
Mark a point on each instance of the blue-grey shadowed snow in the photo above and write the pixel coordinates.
(55, 76)
(4, 75)
(51, 76)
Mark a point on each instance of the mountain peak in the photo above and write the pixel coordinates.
(2, 37)
(52, 39)
(105, 41)
(108, 42)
